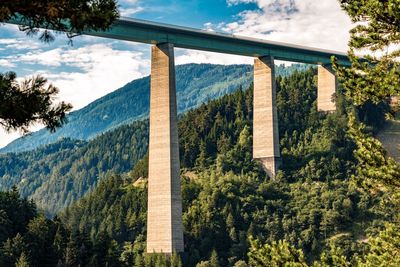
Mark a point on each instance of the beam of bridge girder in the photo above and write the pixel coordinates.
(148, 32)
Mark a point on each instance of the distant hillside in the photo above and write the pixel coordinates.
(196, 84)
(56, 175)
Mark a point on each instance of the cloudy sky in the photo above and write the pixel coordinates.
(93, 67)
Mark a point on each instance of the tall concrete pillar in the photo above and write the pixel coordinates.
(327, 85)
(265, 116)
(164, 213)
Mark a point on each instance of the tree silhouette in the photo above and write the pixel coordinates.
(31, 101)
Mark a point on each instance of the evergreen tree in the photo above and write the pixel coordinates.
(175, 260)
(12, 249)
(384, 249)
(374, 166)
(22, 261)
(276, 254)
(214, 261)
(375, 77)
(376, 35)
(311, 205)
(32, 101)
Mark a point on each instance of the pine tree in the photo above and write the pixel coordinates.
(32, 101)
(201, 161)
(175, 260)
(12, 249)
(22, 261)
(278, 253)
(214, 261)
(374, 78)
(377, 36)
(93, 15)
(139, 261)
(374, 166)
(384, 249)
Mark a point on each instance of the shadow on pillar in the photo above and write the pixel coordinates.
(270, 165)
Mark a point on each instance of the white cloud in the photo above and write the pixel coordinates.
(101, 70)
(209, 26)
(6, 63)
(19, 44)
(130, 8)
(184, 56)
(303, 22)
(126, 12)
(86, 73)
(6, 138)
(47, 58)
(237, 2)
(7, 41)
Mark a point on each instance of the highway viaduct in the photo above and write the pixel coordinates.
(164, 219)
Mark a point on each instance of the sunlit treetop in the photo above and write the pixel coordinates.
(377, 37)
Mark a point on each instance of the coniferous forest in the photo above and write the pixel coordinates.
(311, 214)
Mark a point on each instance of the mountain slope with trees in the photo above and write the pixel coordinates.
(58, 174)
(196, 84)
(227, 198)
(228, 201)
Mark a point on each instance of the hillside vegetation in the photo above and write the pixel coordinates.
(195, 84)
(60, 173)
(228, 201)
(227, 198)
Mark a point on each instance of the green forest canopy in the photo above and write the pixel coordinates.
(228, 201)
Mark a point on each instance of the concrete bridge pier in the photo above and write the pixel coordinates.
(164, 213)
(327, 87)
(265, 116)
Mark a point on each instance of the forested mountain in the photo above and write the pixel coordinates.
(195, 83)
(57, 174)
(227, 197)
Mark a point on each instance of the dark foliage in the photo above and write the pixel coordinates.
(29, 102)
(72, 17)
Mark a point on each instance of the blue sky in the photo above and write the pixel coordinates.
(93, 67)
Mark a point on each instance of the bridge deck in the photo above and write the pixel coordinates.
(136, 30)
